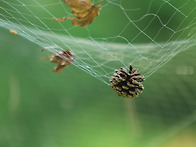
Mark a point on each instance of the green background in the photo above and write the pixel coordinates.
(74, 109)
(39, 108)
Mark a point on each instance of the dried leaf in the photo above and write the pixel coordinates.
(84, 10)
(13, 32)
(79, 4)
(63, 59)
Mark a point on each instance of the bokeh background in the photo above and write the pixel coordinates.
(39, 108)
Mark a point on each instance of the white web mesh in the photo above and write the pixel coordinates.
(145, 34)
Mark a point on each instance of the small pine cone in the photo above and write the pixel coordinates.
(127, 84)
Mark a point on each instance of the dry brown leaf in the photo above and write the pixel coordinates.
(63, 59)
(13, 32)
(84, 10)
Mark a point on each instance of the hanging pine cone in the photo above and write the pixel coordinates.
(127, 84)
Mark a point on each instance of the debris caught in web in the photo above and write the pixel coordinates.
(127, 84)
(84, 10)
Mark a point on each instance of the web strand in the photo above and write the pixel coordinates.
(100, 54)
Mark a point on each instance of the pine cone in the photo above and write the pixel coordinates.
(127, 84)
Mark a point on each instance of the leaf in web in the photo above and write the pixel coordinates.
(13, 32)
(79, 4)
(84, 10)
(63, 59)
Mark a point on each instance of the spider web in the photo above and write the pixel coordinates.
(146, 34)
(126, 32)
